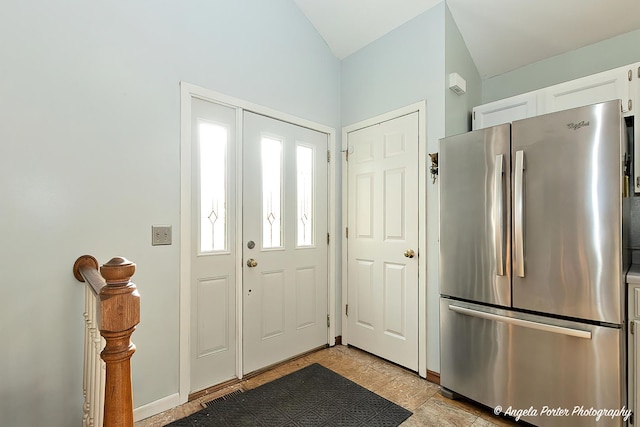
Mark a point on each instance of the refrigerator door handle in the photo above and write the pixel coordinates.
(521, 322)
(498, 213)
(518, 219)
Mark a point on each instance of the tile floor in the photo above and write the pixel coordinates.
(390, 381)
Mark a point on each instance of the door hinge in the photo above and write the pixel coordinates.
(328, 156)
(328, 321)
(347, 232)
(346, 310)
(630, 105)
(631, 418)
(631, 328)
(630, 74)
(328, 238)
(474, 115)
(347, 150)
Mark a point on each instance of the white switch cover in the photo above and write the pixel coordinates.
(160, 235)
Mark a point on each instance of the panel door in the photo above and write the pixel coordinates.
(213, 277)
(383, 240)
(567, 213)
(285, 261)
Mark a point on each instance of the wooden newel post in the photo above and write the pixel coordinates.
(119, 315)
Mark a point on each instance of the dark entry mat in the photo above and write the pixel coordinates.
(312, 396)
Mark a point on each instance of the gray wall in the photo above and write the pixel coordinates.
(612, 53)
(458, 108)
(90, 160)
(403, 67)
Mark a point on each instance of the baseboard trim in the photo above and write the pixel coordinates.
(154, 408)
(433, 377)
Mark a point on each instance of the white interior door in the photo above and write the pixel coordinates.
(213, 240)
(285, 250)
(382, 248)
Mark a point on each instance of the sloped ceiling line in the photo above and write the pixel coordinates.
(501, 35)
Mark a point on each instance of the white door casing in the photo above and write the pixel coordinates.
(383, 240)
(285, 241)
(189, 221)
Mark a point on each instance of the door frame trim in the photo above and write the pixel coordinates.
(421, 109)
(187, 92)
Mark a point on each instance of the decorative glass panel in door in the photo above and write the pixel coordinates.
(271, 150)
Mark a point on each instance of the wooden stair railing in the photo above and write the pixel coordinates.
(117, 305)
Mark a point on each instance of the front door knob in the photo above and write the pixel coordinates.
(252, 263)
(409, 253)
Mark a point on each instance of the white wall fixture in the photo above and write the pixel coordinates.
(457, 84)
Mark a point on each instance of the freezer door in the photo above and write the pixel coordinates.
(475, 218)
(567, 213)
(520, 361)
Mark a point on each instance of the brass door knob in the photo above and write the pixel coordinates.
(252, 262)
(409, 253)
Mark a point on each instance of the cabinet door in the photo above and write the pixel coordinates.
(635, 107)
(633, 346)
(601, 87)
(634, 369)
(505, 110)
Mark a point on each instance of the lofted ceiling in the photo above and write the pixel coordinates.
(501, 35)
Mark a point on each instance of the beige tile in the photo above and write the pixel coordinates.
(343, 365)
(397, 384)
(481, 411)
(420, 397)
(498, 420)
(368, 377)
(436, 412)
(481, 422)
(463, 404)
(412, 421)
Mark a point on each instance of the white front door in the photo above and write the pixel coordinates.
(213, 244)
(285, 250)
(382, 248)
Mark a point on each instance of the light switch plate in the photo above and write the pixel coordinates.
(160, 235)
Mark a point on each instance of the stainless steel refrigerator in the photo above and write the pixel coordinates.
(533, 221)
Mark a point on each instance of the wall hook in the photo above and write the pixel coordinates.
(434, 166)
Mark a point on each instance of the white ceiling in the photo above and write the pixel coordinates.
(501, 35)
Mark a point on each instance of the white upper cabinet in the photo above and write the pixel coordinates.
(619, 83)
(505, 110)
(601, 87)
(634, 105)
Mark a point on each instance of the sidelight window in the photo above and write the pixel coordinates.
(213, 142)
